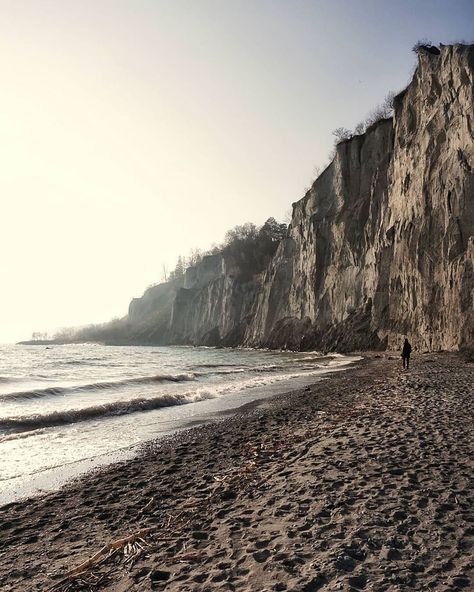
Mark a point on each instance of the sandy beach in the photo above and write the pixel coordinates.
(363, 481)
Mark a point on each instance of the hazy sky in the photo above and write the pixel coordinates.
(132, 131)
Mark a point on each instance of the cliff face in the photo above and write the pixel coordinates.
(320, 287)
(212, 306)
(431, 205)
(381, 246)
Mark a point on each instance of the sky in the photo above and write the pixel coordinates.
(133, 131)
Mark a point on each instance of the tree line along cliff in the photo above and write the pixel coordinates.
(381, 247)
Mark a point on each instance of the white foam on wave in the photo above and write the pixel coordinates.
(28, 423)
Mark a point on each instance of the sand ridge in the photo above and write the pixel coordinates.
(363, 481)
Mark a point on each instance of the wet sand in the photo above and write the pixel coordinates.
(364, 481)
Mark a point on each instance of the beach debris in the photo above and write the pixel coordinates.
(131, 545)
(149, 505)
(221, 479)
(86, 582)
(129, 549)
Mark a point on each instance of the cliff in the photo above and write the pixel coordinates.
(380, 247)
(212, 305)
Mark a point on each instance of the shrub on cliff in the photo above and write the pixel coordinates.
(426, 45)
(240, 234)
(251, 248)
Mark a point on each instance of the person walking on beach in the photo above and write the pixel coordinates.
(406, 351)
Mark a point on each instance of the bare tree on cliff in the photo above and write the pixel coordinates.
(341, 134)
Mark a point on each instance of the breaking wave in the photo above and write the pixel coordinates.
(57, 418)
(95, 386)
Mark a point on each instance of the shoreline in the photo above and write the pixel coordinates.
(326, 487)
(50, 477)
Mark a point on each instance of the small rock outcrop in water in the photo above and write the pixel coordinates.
(380, 247)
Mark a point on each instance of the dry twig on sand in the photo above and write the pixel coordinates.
(134, 545)
(131, 545)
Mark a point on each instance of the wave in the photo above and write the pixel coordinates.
(20, 436)
(58, 418)
(315, 358)
(216, 365)
(95, 386)
(7, 379)
(270, 368)
(83, 362)
(13, 427)
(27, 425)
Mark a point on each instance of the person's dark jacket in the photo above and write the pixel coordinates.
(406, 349)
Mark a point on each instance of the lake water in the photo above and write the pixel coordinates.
(67, 409)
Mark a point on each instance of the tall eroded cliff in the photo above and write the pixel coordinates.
(380, 247)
